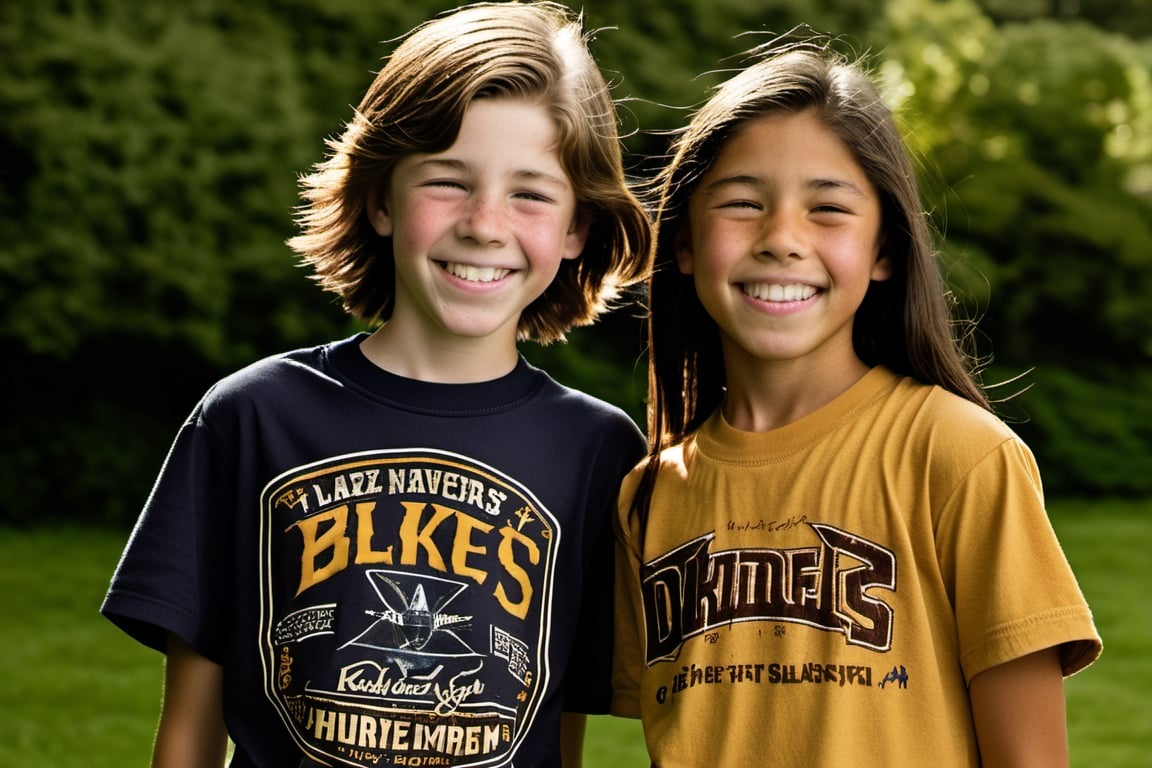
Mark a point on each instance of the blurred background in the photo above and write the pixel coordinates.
(149, 157)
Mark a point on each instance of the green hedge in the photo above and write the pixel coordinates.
(1091, 430)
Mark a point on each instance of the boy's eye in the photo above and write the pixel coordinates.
(750, 204)
(533, 196)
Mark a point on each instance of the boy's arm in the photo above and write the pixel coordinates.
(1018, 710)
(572, 739)
(191, 732)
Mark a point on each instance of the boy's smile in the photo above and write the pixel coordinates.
(479, 231)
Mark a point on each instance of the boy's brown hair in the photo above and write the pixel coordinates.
(536, 51)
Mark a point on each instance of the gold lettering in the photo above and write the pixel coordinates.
(332, 542)
(462, 546)
(365, 530)
(509, 536)
(413, 535)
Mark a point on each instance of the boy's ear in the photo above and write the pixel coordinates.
(577, 235)
(684, 257)
(377, 210)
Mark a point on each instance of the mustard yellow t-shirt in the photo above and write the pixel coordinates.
(821, 594)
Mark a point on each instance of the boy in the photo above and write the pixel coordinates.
(391, 549)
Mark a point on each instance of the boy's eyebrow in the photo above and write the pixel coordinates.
(748, 180)
(460, 166)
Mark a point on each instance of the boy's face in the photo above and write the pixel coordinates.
(479, 230)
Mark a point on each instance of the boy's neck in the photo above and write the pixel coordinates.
(443, 361)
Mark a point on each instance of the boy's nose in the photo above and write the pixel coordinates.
(485, 221)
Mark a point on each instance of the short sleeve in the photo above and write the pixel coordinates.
(173, 569)
(588, 679)
(1012, 588)
(628, 665)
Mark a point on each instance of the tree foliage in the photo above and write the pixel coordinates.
(149, 156)
(1036, 133)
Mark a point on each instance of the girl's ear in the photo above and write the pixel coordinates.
(577, 234)
(884, 266)
(377, 210)
(684, 257)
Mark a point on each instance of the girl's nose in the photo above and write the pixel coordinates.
(485, 221)
(780, 236)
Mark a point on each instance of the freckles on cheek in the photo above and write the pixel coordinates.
(416, 232)
(542, 238)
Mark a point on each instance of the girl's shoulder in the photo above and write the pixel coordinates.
(948, 410)
(950, 428)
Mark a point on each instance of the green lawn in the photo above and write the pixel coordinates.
(1110, 703)
(76, 693)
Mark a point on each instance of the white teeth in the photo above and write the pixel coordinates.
(474, 274)
(777, 292)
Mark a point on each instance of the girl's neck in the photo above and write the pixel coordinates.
(764, 395)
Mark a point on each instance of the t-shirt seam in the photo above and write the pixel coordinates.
(996, 634)
(962, 481)
(328, 365)
(776, 458)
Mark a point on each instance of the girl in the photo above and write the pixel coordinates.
(835, 554)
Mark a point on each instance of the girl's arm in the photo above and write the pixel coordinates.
(1018, 709)
(572, 739)
(191, 732)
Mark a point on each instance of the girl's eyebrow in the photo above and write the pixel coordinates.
(837, 184)
(748, 180)
(525, 174)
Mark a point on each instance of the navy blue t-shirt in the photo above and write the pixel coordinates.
(390, 571)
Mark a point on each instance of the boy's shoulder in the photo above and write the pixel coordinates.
(581, 409)
(275, 375)
(270, 367)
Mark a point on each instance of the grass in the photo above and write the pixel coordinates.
(76, 692)
(1110, 703)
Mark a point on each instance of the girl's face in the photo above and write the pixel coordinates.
(782, 240)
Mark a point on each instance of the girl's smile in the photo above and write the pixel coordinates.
(783, 239)
(777, 293)
(780, 298)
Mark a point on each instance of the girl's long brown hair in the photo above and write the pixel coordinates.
(905, 323)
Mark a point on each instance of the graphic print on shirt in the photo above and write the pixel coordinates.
(829, 586)
(404, 596)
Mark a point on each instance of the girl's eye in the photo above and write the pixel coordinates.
(829, 208)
